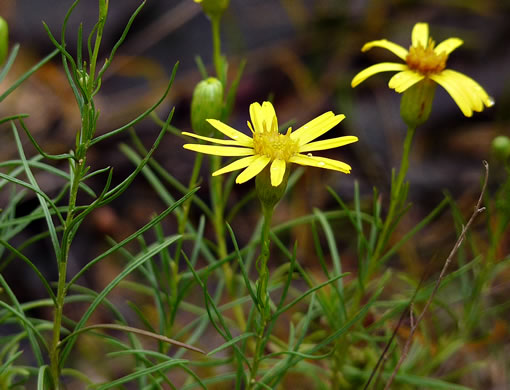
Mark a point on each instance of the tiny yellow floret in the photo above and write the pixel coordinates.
(275, 145)
(425, 60)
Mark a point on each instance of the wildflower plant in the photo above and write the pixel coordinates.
(206, 306)
(426, 62)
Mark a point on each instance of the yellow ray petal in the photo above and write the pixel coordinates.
(277, 171)
(213, 140)
(320, 162)
(238, 164)
(472, 87)
(328, 144)
(236, 135)
(226, 151)
(309, 133)
(448, 45)
(466, 88)
(403, 80)
(253, 169)
(420, 35)
(371, 70)
(459, 97)
(384, 43)
(256, 116)
(314, 122)
(269, 116)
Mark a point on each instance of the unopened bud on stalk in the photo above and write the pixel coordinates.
(416, 103)
(207, 103)
(4, 40)
(501, 147)
(213, 8)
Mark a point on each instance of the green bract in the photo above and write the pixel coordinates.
(213, 7)
(268, 194)
(416, 103)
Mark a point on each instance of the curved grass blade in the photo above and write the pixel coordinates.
(243, 269)
(8, 362)
(27, 74)
(231, 342)
(101, 296)
(141, 373)
(13, 117)
(133, 236)
(305, 294)
(42, 199)
(141, 116)
(31, 330)
(335, 256)
(141, 332)
(41, 377)
(120, 41)
(41, 277)
(10, 61)
(63, 156)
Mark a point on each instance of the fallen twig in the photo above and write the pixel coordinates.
(478, 209)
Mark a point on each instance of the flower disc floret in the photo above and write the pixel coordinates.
(270, 148)
(425, 60)
(274, 145)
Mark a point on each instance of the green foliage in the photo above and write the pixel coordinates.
(203, 306)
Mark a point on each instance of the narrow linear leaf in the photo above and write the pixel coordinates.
(141, 373)
(141, 116)
(41, 377)
(27, 74)
(8, 362)
(304, 295)
(229, 343)
(101, 296)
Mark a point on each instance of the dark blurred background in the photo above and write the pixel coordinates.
(301, 53)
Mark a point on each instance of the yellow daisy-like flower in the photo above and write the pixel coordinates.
(425, 60)
(270, 146)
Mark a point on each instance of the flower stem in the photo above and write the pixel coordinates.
(183, 220)
(218, 205)
(215, 27)
(262, 294)
(397, 200)
(62, 272)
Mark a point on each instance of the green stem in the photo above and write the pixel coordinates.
(397, 200)
(218, 207)
(215, 27)
(62, 272)
(262, 294)
(183, 220)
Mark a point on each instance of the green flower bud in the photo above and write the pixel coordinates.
(501, 147)
(83, 79)
(4, 40)
(207, 103)
(269, 195)
(213, 7)
(416, 103)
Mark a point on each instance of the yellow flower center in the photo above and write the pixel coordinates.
(425, 60)
(274, 145)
